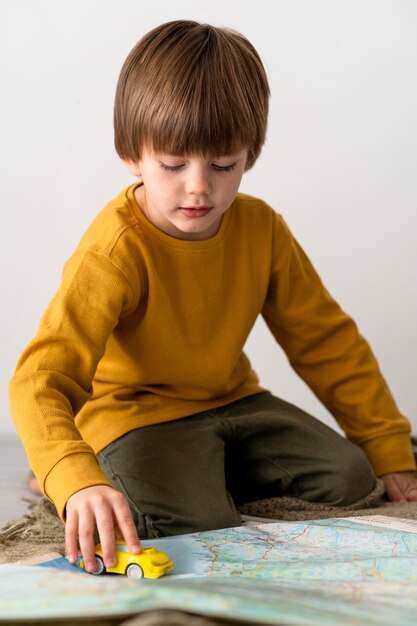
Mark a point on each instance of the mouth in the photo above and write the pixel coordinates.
(195, 211)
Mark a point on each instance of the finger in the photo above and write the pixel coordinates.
(411, 492)
(393, 490)
(401, 487)
(126, 526)
(106, 531)
(395, 495)
(71, 537)
(86, 528)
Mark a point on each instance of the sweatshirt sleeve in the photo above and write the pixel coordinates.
(325, 348)
(53, 378)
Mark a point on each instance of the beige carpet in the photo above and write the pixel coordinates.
(292, 509)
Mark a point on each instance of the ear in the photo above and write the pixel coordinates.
(133, 167)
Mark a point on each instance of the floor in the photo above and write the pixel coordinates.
(14, 471)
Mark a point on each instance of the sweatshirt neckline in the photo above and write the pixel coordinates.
(188, 244)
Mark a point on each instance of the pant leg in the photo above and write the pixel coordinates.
(186, 475)
(273, 449)
(173, 476)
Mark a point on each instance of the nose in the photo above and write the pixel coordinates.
(198, 181)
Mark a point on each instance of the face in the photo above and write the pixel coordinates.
(186, 197)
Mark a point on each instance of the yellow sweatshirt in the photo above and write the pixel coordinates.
(146, 328)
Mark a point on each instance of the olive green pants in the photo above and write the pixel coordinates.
(190, 474)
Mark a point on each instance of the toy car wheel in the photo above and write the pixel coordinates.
(134, 571)
(100, 566)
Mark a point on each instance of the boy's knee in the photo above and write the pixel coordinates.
(353, 480)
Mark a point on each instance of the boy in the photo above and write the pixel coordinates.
(139, 411)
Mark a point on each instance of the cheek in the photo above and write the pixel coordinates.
(162, 195)
(232, 186)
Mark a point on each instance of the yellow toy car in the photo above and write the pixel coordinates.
(151, 563)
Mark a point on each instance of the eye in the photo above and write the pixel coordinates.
(223, 168)
(170, 168)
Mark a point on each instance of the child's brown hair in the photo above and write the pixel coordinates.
(190, 88)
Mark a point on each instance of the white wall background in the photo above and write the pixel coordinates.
(340, 160)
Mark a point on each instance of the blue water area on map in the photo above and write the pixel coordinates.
(189, 557)
(62, 563)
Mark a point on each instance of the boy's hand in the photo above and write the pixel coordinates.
(401, 486)
(106, 509)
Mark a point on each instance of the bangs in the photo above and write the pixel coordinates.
(194, 135)
(195, 118)
(192, 90)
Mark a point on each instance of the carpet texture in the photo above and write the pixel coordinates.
(292, 509)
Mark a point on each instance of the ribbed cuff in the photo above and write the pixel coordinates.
(390, 453)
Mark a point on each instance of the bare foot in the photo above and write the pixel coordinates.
(34, 485)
